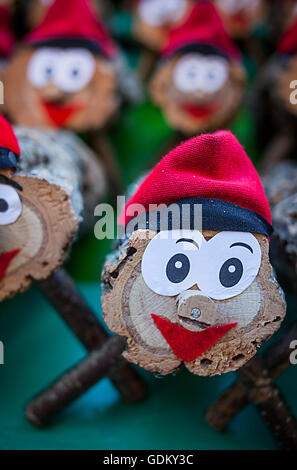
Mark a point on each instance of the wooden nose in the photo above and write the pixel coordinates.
(194, 305)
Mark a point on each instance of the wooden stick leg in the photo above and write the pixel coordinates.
(75, 382)
(61, 291)
(103, 148)
(266, 397)
(234, 399)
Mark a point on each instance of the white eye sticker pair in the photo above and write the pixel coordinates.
(222, 267)
(234, 6)
(158, 12)
(71, 70)
(197, 72)
(10, 205)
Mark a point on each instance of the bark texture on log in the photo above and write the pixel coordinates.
(280, 182)
(61, 291)
(266, 397)
(61, 158)
(284, 216)
(75, 382)
(234, 399)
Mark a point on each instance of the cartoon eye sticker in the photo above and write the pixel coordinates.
(228, 264)
(157, 12)
(215, 74)
(43, 66)
(76, 68)
(169, 261)
(10, 205)
(195, 72)
(233, 6)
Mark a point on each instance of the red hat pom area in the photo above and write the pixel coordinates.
(212, 170)
(72, 23)
(9, 146)
(203, 30)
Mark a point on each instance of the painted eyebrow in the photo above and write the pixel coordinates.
(189, 240)
(14, 184)
(244, 245)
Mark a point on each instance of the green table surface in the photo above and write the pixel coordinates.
(38, 347)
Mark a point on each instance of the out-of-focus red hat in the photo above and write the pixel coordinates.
(203, 27)
(288, 41)
(73, 23)
(9, 146)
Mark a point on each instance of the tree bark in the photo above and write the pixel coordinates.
(75, 382)
(62, 293)
(235, 398)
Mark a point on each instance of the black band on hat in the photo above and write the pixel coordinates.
(202, 214)
(205, 49)
(8, 159)
(65, 43)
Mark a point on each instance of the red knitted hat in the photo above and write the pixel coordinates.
(288, 41)
(71, 23)
(212, 170)
(9, 146)
(7, 39)
(203, 27)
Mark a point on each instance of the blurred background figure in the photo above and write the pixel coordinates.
(154, 19)
(241, 17)
(199, 81)
(63, 74)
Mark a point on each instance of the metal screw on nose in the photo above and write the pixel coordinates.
(195, 313)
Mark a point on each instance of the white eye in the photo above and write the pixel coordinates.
(175, 9)
(188, 73)
(76, 69)
(228, 264)
(10, 205)
(157, 12)
(43, 67)
(215, 74)
(168, 263)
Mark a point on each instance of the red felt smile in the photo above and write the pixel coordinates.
(5, 260)
(60, 114)
(198, 111)
(188, 345)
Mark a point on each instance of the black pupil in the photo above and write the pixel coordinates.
(231, 272)
(3, 205)
(178, 268)
(49, 71)
(75, 72)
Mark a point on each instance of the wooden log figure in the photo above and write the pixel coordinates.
(154, 19)
(199, 81)
(64, 74)
(192, 283)
(277, 104)
(41, 203)
(241, 17)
